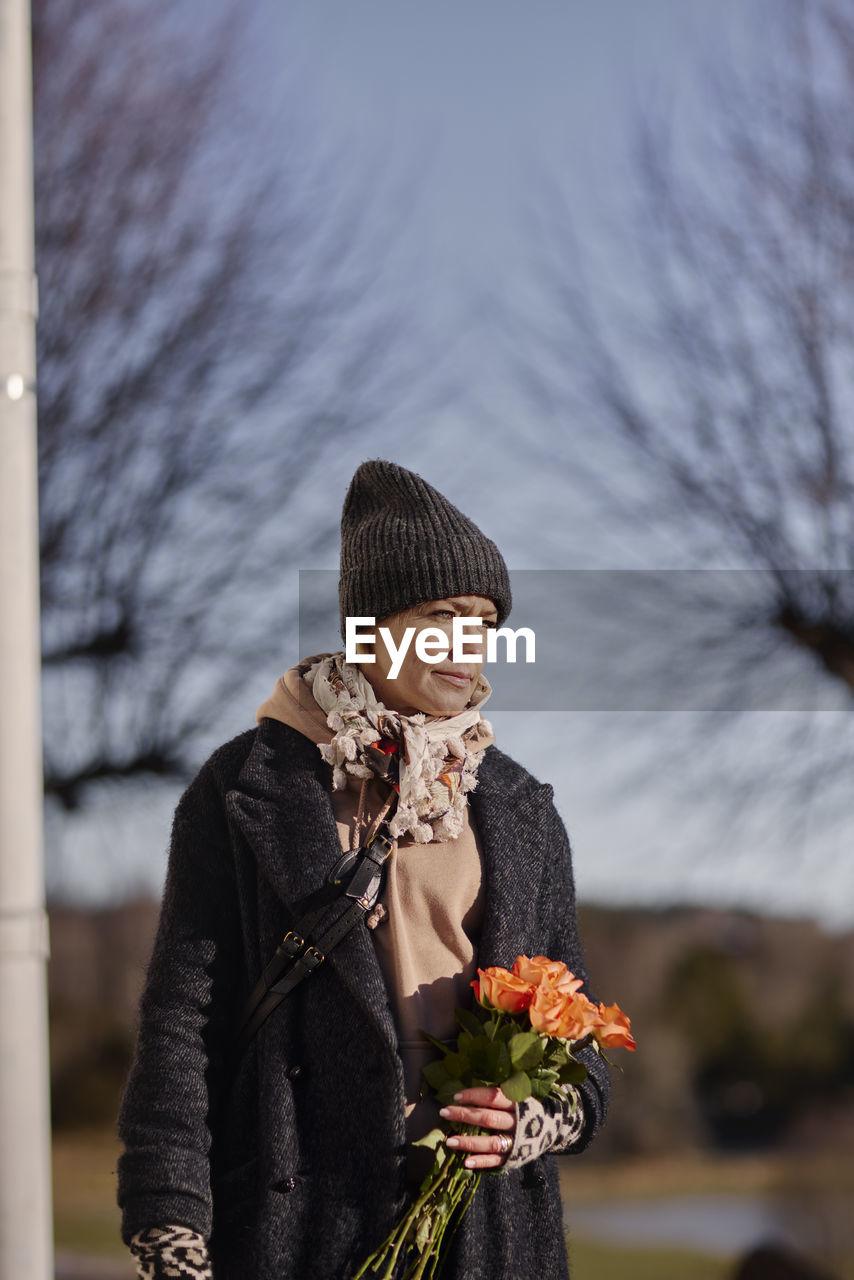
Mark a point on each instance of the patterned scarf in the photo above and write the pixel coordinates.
(430, 761)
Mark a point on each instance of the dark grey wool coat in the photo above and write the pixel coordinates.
(294, 1163)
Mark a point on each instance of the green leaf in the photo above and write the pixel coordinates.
(526, 1050)
(489, 1063)
(446, 1093)
(435, 1073)
(439, 1158)
(480, 1056)
(463, 1065)
(422, 1233)
(490, 1028)
(431, 1140)
(469, 1021)
(572, 1073)
(518, 1087)
(443, 1204)
(456, 1064)
(544, 1080)
(464, 1040)
(484, 1060)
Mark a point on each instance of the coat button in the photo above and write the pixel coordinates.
(293, 1072)
(288, 1184)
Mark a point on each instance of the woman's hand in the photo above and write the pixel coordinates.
(489, 1109)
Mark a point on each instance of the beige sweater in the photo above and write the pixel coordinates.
(434, 896)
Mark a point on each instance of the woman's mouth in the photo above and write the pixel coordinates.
(454, 679)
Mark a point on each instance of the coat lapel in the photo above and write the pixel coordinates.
(281, 807)
(508, 821)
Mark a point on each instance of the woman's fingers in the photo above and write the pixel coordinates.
(480, 1143)
(484, 1117)
(488, 1108)
(486, 1095)
(481, 1150)
(485, 1106)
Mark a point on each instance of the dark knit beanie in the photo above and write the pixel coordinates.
(402, 543)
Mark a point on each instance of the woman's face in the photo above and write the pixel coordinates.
(442, 688)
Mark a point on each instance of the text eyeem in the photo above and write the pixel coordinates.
(431, 643)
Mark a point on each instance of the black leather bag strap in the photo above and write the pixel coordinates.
(358, 878)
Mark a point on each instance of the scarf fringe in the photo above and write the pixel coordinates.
(435, 768)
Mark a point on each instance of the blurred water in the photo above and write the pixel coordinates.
(718, 1224)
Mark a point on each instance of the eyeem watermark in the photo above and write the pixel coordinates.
(431, 643)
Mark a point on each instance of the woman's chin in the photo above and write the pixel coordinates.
(432, 697)
(448, 702)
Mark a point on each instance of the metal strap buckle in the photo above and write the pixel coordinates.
(383, 839)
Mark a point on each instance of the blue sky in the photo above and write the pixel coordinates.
(458, 109)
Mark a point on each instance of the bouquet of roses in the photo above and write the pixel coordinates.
(527, 1026)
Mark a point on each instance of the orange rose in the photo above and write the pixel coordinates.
(614, 1031)
(539, 969)
(501, 989)
(566, 1015)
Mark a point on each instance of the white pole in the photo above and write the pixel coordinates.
(26, 1247)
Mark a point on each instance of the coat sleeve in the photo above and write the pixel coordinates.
(571, 1124)
(186, 1014)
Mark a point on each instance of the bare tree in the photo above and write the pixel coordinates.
(708, 390)
(207, 334)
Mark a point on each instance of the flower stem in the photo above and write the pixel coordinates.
(464, 1183)
(429, 1256)
(390, 1249)
(447, 1183)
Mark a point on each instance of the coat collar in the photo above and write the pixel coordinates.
(281, 805)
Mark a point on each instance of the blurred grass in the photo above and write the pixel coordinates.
(86, 1216)
(694, 1172)
(593, 1260)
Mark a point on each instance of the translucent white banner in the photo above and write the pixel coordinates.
(644, 640)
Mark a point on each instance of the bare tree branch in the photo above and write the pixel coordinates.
(210, 328)
(721, 370)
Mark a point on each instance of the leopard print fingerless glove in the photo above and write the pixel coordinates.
(546, 1125)
(170, 1253)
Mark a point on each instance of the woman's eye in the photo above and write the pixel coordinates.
(443, 613)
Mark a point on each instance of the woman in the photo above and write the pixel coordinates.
(285, 1153)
